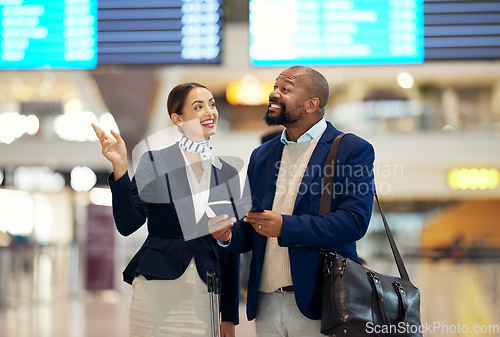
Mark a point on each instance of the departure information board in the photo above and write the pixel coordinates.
(336, 32)
(159, 31)
(462, 29)
(51, 34)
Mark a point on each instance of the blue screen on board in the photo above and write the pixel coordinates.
(336, 32)
(50, 34)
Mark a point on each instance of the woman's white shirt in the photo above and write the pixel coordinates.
(200, 190)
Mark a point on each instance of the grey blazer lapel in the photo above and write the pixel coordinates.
(172, 166)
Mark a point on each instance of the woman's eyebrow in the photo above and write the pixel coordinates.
(200, 101)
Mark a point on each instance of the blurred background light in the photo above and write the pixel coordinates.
(31, 125)
(248, 91)
(45, 88)
(41, 178)
(75, 126)
(17, 213)
(405, 80)
(73, 105)
(13, 125)
(473, 178)
(107, 122)
(5, 239)
(82, 178)
(43, 222)
(100, 196)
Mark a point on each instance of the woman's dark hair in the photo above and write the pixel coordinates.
(177, 97)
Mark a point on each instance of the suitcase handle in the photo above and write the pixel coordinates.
(213, 286)
(213, 281)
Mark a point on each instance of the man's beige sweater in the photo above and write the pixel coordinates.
(276, 270)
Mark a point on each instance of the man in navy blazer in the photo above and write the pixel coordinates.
(297, 102)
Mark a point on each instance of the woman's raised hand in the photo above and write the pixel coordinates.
(114, 150)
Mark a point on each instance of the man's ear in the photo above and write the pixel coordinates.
(176, 118)
(312, 105)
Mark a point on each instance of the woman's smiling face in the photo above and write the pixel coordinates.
(199, 115)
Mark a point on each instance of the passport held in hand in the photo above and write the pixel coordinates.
(236, 209)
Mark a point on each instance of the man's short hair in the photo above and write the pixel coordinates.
(318, 86)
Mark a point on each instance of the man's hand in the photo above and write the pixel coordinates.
(227, 329)
(267, 223)
(220, 227)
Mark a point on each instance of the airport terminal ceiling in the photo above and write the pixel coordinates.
(135, 94)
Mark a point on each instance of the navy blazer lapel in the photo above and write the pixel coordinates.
(315, 165)
(275, 154)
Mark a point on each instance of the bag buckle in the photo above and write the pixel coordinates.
(344, 265)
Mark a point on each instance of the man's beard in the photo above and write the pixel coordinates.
(284, 117)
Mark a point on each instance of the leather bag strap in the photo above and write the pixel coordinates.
(394, 247)
(403, 308)
(331, 159)
(380, 296)
(326, 202)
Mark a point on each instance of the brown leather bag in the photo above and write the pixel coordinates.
(357, 301)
